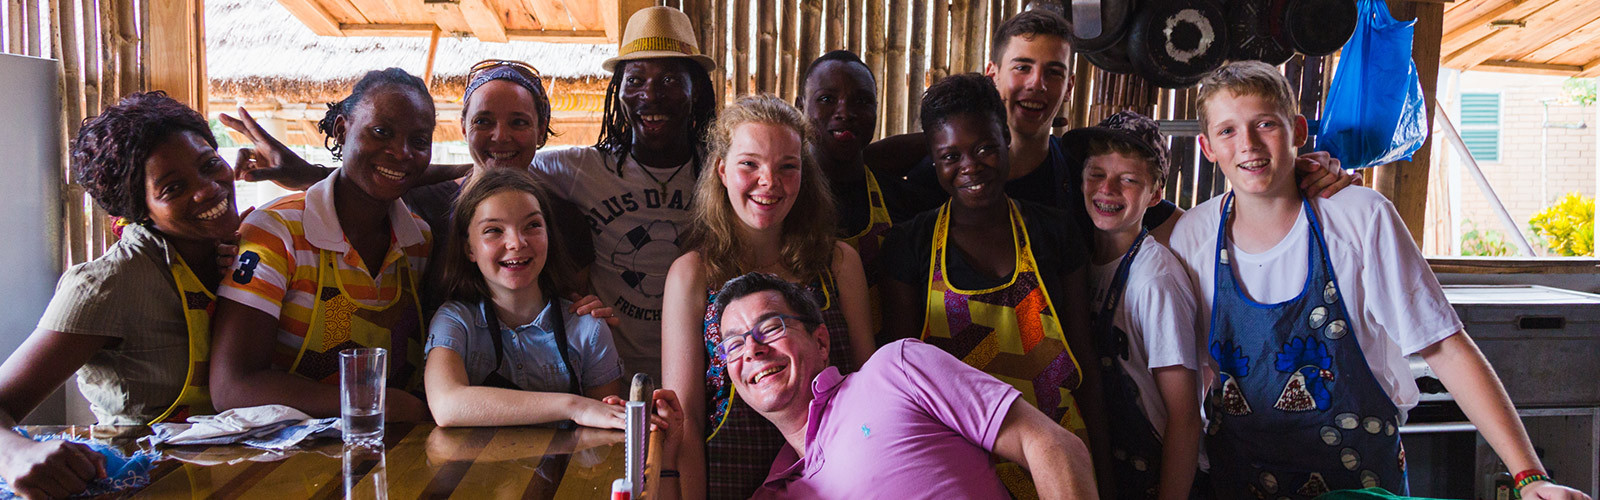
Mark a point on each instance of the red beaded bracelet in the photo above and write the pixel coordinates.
(1528, 477)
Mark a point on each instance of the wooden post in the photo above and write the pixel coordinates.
(977, 33)
(64, 48)
(176, 50)
(433, 50)
(35, 38)
(875, 48)
(940, 66)
(857, 19)
(110, 67)
(767, 47)
(895, 78)
(719, 47)
(741, 48)
(837, 13)
(787, 48)
(810, 37)
(91, 57)
(130, 77)
(1406, 182)
(15, 31)
(957, 41)
(919, 65)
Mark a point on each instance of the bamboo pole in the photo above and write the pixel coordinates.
(1082, 86)
(857, 18)
(719, 47)
(876, 39)
(34, 40)
(787, 49)
(741, 51)
(91, 58)
(997, 14)
(767, 47)
(919, 65)
(706, 33)
(128, 67)
(110, 70)
(956, 41)
(838, 11)
(895, 74)
(64, 48)
(14, 28)
(977, 33)
(810, 37)
(940, 66)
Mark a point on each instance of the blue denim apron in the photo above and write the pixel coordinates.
(1135, 444)
(1298, 412)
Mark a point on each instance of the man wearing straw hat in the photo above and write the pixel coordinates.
(635, 184)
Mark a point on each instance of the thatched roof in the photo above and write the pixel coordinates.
(257, 50)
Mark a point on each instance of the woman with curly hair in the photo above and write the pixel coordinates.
(134, 323)
(763, 207)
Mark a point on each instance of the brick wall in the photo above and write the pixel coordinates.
(1518, 178)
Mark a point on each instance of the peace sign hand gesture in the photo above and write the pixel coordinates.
(270, 160)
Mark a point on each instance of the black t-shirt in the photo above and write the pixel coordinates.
(1058, 182)
(1057, 243)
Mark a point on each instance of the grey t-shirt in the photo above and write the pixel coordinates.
(530, 359)
(128, 295)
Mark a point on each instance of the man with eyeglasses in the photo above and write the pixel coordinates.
(887, 430)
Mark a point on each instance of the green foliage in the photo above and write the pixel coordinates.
(1567, 227)
(1477, 242)
(1579, 91)
(221, 132)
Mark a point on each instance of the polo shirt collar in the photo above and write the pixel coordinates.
(788, 464)
(322, 223)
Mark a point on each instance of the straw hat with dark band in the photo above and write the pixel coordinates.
(659, 32)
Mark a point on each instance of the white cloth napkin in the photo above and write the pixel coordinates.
(267, 426)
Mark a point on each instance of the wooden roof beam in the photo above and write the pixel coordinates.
(558, 36)
(484, 21)
(312, 15)
(1479, 26)
(377, 11)
(1529, 68)
(584, 14)
(1578, 43)
(1549, 26)
(1590, 70)
(448, 17)
(551, 15)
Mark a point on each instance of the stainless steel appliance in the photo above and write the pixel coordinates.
(1544, 343)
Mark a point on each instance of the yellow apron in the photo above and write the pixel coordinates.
(869, 245)
(339, 323)
(198, 304)
(1010, 331)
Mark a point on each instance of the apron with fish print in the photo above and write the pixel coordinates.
(339, 322)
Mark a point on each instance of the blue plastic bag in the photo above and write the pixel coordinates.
(1375, 112)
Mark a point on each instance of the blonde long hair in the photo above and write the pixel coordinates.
(808, 229)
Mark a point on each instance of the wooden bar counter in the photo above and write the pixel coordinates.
(417, 461)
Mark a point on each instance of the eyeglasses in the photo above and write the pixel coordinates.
(527, 71)
(768, 330)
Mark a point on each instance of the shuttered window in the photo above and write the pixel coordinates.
(1480, 125)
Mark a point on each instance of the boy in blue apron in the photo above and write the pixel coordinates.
(1143, 327)
(1310, 380)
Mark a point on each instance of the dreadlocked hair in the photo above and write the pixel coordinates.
(372, 80)
(616, 134)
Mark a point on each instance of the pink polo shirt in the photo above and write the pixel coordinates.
(915, 422)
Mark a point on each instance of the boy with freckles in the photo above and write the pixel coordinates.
(1312, 379)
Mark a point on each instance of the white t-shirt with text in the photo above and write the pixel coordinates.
(638, 227)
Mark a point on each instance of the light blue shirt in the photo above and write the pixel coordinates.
(530, 359)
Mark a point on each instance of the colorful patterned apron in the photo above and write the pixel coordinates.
(1135, 442)
(1010, 331)
(339, 323)
(1298, 412)
(198, 304)
(869, 245)
(742, 444)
